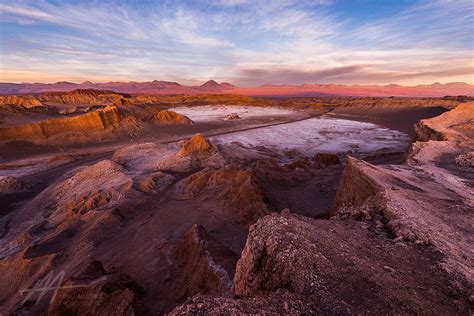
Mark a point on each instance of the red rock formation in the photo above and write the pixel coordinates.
(235, 190)
(355, 186)
(98, 121)
(196, 271)
(170, 117)
(26, 101)
(197, 145)
(455, 124)
(313, 258)
(426, 200)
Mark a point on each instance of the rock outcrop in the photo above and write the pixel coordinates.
(428, 200)
(313, 258)
(197, 272)
(235, 190)
(85, 96)
(193, 154)
(197, 145)
(170, 117)
(96, 187)
(100, 121)
(74, 97)
(457, 124)
(26, 101)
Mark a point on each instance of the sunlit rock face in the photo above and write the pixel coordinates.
(103, 120)
(170, 117)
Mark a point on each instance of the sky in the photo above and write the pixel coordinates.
(245, 42)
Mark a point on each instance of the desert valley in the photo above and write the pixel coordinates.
(213, 203)
(236, 157)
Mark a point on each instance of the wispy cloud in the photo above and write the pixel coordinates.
(246, 42)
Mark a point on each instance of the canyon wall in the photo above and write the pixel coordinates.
(100, 120)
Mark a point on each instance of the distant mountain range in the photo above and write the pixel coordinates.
(268, 90)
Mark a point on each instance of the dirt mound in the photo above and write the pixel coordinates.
(234, 189)
(170, 117)
(185, 157)
(95, 187)
(11, 184)
(312, 258)
(197, 145)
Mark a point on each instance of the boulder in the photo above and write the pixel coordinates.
(337, 267)
(232, 117)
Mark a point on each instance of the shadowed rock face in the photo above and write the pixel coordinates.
(170, 117)
(297, 265)
(198, 273)
(234, 189)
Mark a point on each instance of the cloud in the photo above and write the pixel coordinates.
(241, 41)
(291, 76)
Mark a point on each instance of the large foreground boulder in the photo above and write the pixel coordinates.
(339, 267)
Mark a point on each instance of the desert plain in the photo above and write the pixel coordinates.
(211, 203)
